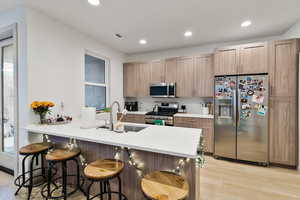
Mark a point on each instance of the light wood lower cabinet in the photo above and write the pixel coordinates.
(133, 118)
(205, 124)
(283, 131)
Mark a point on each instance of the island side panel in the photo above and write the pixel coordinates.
(130, 179)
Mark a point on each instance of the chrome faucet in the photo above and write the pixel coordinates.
(111, 126)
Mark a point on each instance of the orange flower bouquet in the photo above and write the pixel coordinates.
(42, 108)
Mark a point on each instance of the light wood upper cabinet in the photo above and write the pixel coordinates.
(253, 58)
(284, 68)
(193, 76)
(243, 59)
(157, 71)
(283, 131)
(130, 80)
(185, 73)
(203, 76)
(143, 77)
(136, 79)
(171, 70)
(226, 61)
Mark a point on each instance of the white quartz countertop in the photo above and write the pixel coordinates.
(194, 115)
(176, 141)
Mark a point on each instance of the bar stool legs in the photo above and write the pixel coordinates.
(30, 179)
(105, 189)
(27, 182)
(62, 157)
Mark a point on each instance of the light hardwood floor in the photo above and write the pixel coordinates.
(219, 180)
(224, 180)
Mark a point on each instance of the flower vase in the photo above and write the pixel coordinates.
(43, 118)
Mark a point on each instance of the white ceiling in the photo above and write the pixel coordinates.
(7, 4)
(163, 22)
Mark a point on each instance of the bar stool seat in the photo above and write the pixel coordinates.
(35, 148)
(103, 169)
(162, 185)
(62, 154)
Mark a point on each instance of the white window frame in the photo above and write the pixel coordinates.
(107, 76)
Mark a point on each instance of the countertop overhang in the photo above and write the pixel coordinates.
(175, 141)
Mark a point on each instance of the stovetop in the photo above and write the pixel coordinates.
(161, 113)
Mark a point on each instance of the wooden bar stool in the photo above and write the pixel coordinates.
(162, 185)
(27, 179)
(103, 171)
(61, 156)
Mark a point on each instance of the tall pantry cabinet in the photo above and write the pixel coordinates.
(283, 67)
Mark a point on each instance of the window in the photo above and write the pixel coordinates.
(96, 82)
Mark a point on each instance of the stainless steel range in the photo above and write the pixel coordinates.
(165, 112)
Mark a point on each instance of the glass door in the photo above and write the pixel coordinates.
(7, 104)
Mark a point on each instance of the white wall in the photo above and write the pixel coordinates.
(51, 65)
(293, 32)
(56, 63)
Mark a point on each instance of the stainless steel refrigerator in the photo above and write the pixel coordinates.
(241, 117)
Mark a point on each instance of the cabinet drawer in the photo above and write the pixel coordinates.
(186, 120)
(193, 122)
(185, 125)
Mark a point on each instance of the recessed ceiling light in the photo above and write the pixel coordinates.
(143, 41)
(94, 2)
(246, 23)
(188, 34)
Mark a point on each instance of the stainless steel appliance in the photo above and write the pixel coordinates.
(241, 117)
(165, 112)
(163, 90)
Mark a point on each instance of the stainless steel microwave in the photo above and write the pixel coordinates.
(163, 90)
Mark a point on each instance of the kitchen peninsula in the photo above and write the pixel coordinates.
(151, 148)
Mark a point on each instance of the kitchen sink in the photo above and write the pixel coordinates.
(128, 128)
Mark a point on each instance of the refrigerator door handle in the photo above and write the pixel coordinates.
(237, 106)
(234, 109)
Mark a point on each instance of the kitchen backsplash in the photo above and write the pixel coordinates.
(192, 104)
